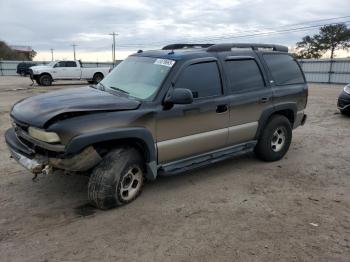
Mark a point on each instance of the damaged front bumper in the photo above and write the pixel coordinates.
(27, 157)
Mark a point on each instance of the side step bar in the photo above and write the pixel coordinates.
(183, 165)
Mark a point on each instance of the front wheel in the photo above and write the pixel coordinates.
(45, 80)
(118, 179)
(275, 139)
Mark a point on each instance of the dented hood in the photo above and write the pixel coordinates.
(37, 110)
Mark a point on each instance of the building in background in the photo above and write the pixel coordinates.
(24, 51)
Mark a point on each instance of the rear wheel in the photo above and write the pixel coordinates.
(45, 80)
(97, 78)
(118, 179)
(275, 139)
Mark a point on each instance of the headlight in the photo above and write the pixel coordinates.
(347, 89)
(50, 137)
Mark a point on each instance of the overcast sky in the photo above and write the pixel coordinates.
(45, 24)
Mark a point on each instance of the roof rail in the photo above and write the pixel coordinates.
(228, 47)
(184, 46)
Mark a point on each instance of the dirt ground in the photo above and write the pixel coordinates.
(297, 209)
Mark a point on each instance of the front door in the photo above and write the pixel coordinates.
(188, 130)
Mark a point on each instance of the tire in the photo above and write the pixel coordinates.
(275, 139)
(118, 179)
(45, 80)
(345, 112)
(97, 78)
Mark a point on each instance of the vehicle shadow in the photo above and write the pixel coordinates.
(68, 193)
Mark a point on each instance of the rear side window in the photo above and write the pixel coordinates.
(244, 75)
(284, 69)
(71, 64)
(202, 79)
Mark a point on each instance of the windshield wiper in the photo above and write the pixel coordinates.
(103, 87)
(120, 90)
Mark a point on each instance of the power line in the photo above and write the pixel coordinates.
(225, 36)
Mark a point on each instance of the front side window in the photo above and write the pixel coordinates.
(61, 64)
(202, 79)
(244, 75)
(139, 77)
(284, 69)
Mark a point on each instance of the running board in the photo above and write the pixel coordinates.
(183, 165)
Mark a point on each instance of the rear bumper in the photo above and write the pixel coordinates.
(300, 119)
(303, 120)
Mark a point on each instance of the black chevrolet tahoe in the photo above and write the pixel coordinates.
(163, 112)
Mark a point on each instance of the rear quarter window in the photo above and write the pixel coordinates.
(284, 69)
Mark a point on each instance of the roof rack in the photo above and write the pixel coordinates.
(184, 46)
(228, 47)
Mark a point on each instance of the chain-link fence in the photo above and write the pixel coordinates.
(335, 71)
(332, 71)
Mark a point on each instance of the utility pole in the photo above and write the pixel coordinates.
(51, 54)
(113, 47)
(74, 45)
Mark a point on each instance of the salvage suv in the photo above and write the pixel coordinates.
(163, 112)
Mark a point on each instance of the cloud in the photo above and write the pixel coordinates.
(47, 24)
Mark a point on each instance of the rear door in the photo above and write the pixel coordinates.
(287, 82)
(188, 130)
(249, 97)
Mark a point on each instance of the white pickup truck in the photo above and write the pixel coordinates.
(66, 70)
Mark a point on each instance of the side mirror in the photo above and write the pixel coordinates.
(179, 96)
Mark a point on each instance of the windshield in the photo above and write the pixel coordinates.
(139, 77)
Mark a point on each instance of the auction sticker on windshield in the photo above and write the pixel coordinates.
(164, 62)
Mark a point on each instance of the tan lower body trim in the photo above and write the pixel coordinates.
(177, 148)
(242, 133)
(173, 149)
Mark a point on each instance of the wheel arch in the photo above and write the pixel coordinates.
(140, 138)
(45, 73)
(96, 73)
(289, 110)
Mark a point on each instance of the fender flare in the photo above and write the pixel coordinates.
(45, 73)
(267, 113)
(140, 134)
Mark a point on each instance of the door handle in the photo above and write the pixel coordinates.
(264, 99)
(221, 108)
